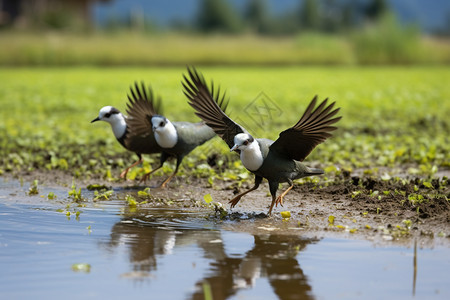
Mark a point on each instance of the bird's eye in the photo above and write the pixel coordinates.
(107, 115)
(161, 124)
(245, 143)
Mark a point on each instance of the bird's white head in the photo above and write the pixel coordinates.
(242, 141)
(114, 117)
(108, 114)
(159, 123)
(251, 155)
(165, 132)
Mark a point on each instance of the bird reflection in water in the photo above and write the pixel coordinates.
(272, 256)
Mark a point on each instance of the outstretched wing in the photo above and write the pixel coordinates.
(312, 129)
(142, 106)
(210, 106)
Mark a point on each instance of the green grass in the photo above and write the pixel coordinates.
(374, 46)
(392, 116)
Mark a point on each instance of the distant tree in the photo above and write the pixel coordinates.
(331, 19)
(338, 15)
(445, 30)
(257, 17)
(348, 16)
(376, 9)
(218, 16)
(310, 15)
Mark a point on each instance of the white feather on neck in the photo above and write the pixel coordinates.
(251, 156)
(118, 125)
(167, 136)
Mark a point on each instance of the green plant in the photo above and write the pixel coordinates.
(74, 193)
(33, 190)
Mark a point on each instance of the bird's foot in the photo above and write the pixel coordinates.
(144, 179)
(235, 201)
(279, 201)
(166, 182)
(124, 173)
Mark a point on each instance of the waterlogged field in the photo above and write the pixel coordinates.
(392, 116)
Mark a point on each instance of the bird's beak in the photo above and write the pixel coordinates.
(153, 128)
(234, 148)
(95, 120)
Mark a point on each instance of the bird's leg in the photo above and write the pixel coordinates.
(161, 162)
(125, 172)
(280, 198)
(273, 187)
(163, 185)
(236, 199)
(179, 159)
(271, 205)
(146, 175)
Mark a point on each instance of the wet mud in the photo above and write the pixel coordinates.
(351, 205)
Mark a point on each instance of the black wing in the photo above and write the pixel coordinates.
(312, 129)
(210, 106)
(142, 106)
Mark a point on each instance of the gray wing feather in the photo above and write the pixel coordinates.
(193, 134)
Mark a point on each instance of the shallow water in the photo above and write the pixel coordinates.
(163, 253)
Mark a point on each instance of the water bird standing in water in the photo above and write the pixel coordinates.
(146, 131)
(277, 161)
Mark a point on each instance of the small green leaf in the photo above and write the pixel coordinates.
(145, 193)
(285, 214)
(33, 190)
(428, 184)
(407, 223)
(81, 267)
(331, 220)
(330, 169)
(93, 187)
(207, 198)
(385, 177)
(131, 201)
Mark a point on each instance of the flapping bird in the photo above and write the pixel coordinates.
(278, 161)
(139, 144)
(174, 139)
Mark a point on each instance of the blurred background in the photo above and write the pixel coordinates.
(224, 32)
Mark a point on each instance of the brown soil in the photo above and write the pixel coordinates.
(357, 213)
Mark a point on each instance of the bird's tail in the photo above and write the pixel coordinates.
(314, 171)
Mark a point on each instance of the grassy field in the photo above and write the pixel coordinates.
(387, 45)
(392, 116)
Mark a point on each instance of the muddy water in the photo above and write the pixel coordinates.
(112, 251)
